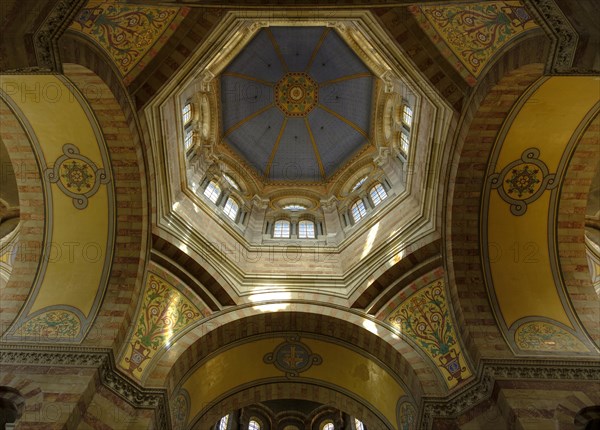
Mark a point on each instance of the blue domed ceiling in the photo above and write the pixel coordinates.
(296, 103)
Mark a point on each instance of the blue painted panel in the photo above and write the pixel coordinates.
(335, 59)
(297, 44)
(336, 140)
(241, 98)
(258, 59)
(255, 139)
(295, 158)
(350, 99)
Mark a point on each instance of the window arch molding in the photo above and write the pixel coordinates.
(282, 228)
(358, 210)
(377, 193)
(307, 229)
(255, 423)
(232, 208)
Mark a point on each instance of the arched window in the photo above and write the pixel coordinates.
(358, 183)
(306, 229)
(254, 425)
(231, 208)
(224, 422)
(188, 134)
(404, 141)
(212, 191)
(358, 425)
(328, 425)
(231, 181)
(407, 115)
(294, 207)
(358, 210)
(378, 194)
(189, 138)
(281, 228)
(186, 113)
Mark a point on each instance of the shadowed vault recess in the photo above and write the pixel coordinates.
(296, 103)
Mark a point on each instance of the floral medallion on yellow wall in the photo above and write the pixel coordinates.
(164, 313)
(469, 34)
(425, 318)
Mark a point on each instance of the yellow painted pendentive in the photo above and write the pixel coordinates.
(425, 318)
(519, 245)
(164, 313)
(341, 367)
(78, 237)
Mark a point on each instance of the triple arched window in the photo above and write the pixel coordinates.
(226, 200)
(304, 229)
(366, 201)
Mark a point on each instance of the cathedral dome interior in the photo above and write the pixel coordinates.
(289, 215)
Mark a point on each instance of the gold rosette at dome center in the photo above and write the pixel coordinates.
(296, 94)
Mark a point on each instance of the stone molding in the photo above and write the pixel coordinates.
(491, 370)
(103, 360)
(46, 36)
(452, 406)
(564, 38)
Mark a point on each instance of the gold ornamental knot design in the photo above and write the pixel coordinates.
(296, 94)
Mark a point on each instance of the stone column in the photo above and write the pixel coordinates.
(333, 226)
(256, 219)
(390, 166)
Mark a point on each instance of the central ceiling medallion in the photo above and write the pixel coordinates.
(296, 104)
(296, 94)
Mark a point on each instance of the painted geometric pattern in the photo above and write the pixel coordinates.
(164, 313)
(55, 324)
(425, 318)
(470, 34)
(543, 336)
(131, 35)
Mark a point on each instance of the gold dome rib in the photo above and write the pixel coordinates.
(248, 78)
(275, 147)
(248, 118)
(347, 121)
(277, 50)
(345, 78)
(314, 145)
(316, 50)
